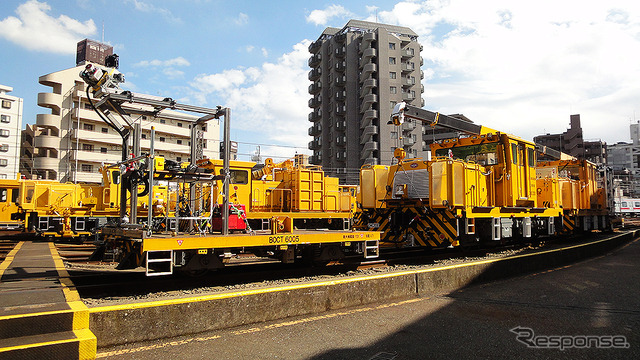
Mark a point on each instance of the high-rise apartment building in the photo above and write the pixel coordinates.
(10, 125)
(71, 142)
(358, 74)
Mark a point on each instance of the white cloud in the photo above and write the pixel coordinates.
(150, 8)
(524, 67)
(270, 99)
(178, 61)
(242, 19)
(36, 30)
(321, 17)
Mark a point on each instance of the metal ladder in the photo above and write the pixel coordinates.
(159, 257)
(371, 249)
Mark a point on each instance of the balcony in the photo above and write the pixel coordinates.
(315, 46)
(370, 130)
(314, 145)
(370, 115)
(407, 141)
(51, 101)
(367, 54)
(341, 109)
(369, 84)
(111, 138)
(96, 156)
(408, 96)
(315, 101)
(408, 125)
(315, 60)
(368, 148)
(315, 74)
(48, 120)
(315, 115)
(368, 37)
(371, 161)
(341, 80)
(315, 88)
(407, 67)
(340, 38)
(341, 95)
(341, 141)
(407, 82)
(341, 125)
(341, 52)
(368, 69)
(46, 141)
(316, 129)
(407, 53)
(341, 66)
(46, 163)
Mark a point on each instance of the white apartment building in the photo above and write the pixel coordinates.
(10, 126)
(71, 142)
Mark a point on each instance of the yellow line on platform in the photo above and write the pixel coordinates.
(9, 259)
(178, 301)
(255, 329)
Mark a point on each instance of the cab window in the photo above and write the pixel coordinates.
(531, 157)
(514, 153)
(237, 176)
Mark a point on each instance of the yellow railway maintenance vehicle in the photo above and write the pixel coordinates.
(486, 187)
(65, 211)
(212, 198)
(9, 218)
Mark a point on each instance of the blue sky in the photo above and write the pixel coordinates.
(520, 67)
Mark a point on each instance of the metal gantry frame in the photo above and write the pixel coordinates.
(112, 102)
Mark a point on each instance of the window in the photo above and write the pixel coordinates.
(179, 124)
(6, 118)
(393, 90)
(514, 153)
(392, 75)
(86, 168)
(178, 159)
(392, 46)
(6, 104)
(87, 147)
(531, 157)
(393, 104)
(105, 130)
(3, 195)
(394, 135)
(204, 127)
(4, 147)
(3, 162)
(163, 121)
(392, 61)
(144, 136)
(179, 142)
(162, 139)
(103, 150)
(5, 133)
(238, 176)
(88, 127)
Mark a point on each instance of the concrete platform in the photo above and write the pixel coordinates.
(596, 298)
(41, 315)
(138, 322)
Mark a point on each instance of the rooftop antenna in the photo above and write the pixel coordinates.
(102, 31)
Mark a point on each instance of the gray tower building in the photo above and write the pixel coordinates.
(358, 74)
